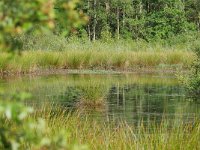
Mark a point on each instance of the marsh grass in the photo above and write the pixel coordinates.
(93, 94)
(33, 61)
(120, 135)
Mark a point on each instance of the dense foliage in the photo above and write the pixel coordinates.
(21, 16)
(141, 19)
(193, 80)
(134, 19)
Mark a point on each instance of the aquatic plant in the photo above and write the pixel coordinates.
(93, 94)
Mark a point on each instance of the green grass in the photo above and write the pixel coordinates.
(93, 94)
(33, 61)
(116, 136)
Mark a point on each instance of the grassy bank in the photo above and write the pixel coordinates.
(101, 135)
(33, 61)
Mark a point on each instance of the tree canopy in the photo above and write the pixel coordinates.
(141, 19)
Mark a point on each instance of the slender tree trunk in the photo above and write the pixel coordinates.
(148, 6)
(124, 15)
(141, 7)
(136, 30)
(118, 24)
(107, 10)
(89, 30)
(198, 22)
(95, 20)
(198, 25)
(107, 7)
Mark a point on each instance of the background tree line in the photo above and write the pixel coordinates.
(138, 19)
(120, 19)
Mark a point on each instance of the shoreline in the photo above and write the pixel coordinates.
(44, 72)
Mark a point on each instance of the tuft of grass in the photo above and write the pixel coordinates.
(93, 94)
(4, 61)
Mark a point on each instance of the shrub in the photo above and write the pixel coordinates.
(193, 80)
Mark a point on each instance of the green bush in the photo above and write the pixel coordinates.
(193, 80)
(16, 18)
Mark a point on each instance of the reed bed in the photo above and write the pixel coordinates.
(33, 61)
(97, 134)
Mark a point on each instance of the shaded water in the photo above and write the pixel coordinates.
(132, 97)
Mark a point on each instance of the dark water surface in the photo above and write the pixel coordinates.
(132, 97)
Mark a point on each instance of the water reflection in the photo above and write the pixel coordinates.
(126, 97)
(150, 102)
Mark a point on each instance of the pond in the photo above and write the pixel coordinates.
(124, 97)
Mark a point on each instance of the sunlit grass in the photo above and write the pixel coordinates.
(32, 61)
(112, 135)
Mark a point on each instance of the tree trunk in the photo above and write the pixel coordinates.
(107, 11)
(141, 7)
(107, 7)
(198, 22)
(95, 20)
(89, 30)
(118, 24)
(124, 15)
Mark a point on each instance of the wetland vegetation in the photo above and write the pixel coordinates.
(128, 61)
(99, 74)
(138, 108)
